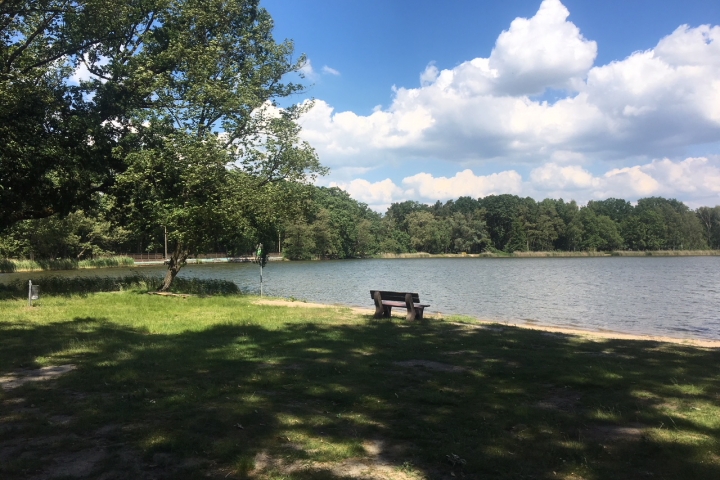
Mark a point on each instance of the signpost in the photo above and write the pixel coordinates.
(261, 257)
(33, 292)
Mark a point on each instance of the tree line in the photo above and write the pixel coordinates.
(339, 227)
(328, 223)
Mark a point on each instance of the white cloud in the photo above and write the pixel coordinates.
(378, 195)
(651, 104)
(307, 69)
(330, 71)
(696, 180)
(540, 52)
(463, 184)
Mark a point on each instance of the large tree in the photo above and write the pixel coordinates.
(215, 152)
(69, 75)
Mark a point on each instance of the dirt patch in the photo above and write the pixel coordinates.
(430, 365)
(76, 465)
(20, 377)
(561, 400)
(60, 420)
(615, 433)
(373, 467)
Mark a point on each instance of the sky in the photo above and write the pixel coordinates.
(423, 100)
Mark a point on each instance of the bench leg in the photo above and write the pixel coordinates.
(419, 311)
(379, 310)
(410, 307)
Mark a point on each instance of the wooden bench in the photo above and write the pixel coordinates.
(384, 301)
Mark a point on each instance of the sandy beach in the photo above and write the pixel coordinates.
(591, 334)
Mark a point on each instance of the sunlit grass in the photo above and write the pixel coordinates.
(205, 384)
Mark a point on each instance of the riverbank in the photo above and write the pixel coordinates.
(616, 253)
(17, 266)
(139, 385)
(590, 334)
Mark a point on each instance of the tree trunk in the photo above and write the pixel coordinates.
(175, 263)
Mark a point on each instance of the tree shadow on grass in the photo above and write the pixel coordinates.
(375, 399)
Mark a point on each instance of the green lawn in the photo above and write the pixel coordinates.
(217, 387)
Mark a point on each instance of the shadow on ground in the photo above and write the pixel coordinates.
(374, 399)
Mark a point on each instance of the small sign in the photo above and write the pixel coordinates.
(33, 292)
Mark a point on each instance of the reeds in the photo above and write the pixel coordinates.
(11, 265)
(616, 253)
(55, 285)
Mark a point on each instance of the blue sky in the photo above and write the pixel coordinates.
(585, 100)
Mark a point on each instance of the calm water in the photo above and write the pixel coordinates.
(675, 296)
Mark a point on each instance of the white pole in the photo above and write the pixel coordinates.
(29, 293)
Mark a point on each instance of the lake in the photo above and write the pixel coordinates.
(670, 296)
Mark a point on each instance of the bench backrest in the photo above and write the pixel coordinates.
(395, 296)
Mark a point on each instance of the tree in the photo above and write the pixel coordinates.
(710, 220)
(298, 243)
(596, 232)
(615, 208)
(58, 134)
(427, 233)
(468, 233)
(215, 150)
(501, 211)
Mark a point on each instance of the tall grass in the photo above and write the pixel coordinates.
(84, 285)
(666, 253)
(559, 254)
(107, 262)
(11, 265)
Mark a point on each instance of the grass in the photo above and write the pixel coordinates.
(221, 387)
(12, 265)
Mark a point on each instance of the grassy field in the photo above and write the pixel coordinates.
(221, 387)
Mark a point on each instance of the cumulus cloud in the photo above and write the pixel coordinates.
(651, 104)
(540, 52)
(696, 180)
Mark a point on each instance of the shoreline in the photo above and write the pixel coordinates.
(393, 256)
(591, 334)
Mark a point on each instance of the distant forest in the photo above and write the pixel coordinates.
(333, 225)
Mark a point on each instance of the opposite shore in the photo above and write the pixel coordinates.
(13, 265)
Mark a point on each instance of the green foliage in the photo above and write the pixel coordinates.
(57, 135)
(78, 235)
(710, 221)
(596, 232)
